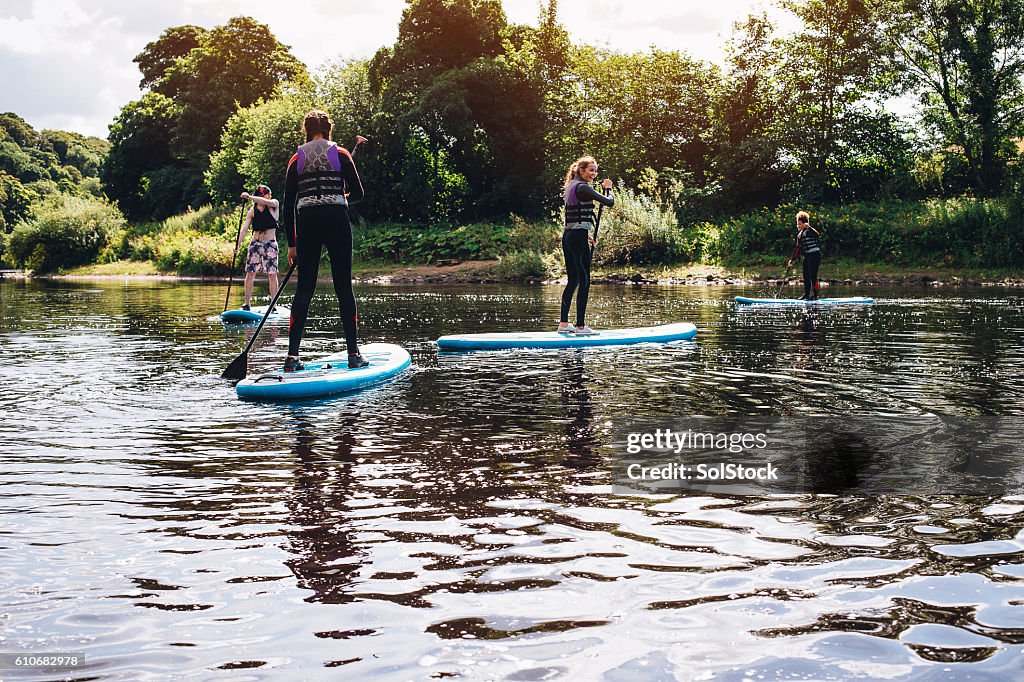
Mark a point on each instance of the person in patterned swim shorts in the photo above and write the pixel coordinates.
(262, 255)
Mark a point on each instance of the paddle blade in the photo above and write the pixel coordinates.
(238, 368)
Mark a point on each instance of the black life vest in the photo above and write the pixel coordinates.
(809, 241)
(576, 211)
(318, 164)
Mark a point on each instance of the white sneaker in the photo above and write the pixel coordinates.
(565, 328)
(585, 330)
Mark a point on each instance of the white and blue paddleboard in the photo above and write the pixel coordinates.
(239, 316)
(679, 331)
(797, 301)
(328, 375)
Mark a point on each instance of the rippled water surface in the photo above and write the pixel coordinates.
(459, 523)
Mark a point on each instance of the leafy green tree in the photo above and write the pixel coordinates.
(161, 144)
(964, 59)
(157, 58)
(15, 202)
(646, 112)
(139, 139)
(748, 150)
(233, 66)
(427, 134)
(833, 77)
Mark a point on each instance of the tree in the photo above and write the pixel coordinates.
(646, 111)
(428, 136)
(832, 73)
(233, 66)
(748, 151)
(139, 139)
(159, 56)
(161, 144)
(965, 60)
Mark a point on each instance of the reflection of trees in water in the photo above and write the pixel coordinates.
(326, 560)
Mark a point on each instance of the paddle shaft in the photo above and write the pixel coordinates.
(231, 272)
(597, 225)
(239, 366)
(783, 283)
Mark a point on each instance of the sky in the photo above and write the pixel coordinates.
(67, 64)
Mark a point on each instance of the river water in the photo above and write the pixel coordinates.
(460, 522)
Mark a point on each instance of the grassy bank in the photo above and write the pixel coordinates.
(977, 240)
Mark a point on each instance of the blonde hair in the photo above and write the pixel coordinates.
(574, 169)
(317, 121)
(802, 217)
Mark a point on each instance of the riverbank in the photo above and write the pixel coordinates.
(488, 272)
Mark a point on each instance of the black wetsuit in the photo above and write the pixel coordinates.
(579, 200)
(315, 215)
(809, 244)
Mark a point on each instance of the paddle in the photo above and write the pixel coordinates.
(231, 272)
(783, 282)
(597, 225)
(236, 371)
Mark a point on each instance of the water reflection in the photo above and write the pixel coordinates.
(581, 436)
(459, 522)
(326, 560)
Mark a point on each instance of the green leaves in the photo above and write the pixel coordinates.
(161, 144)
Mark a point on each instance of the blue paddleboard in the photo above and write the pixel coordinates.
(239, 316)
(796, 301)
(328, 375)
(605, 337)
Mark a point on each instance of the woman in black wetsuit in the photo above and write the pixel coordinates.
(577, 244)
(320, 183)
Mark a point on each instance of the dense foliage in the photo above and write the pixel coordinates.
(65, 231)
(35, 165)
(472, 120)
(197, 78)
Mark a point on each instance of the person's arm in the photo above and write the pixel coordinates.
(269, 203)
(244, 228)
(796, 252)
(351, 176)
(585, 192)
(291, 190)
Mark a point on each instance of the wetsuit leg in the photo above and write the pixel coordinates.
(583, 258)
(309, 243)
(571, 272)
(807, 275)
(339, 248)
(815, 263)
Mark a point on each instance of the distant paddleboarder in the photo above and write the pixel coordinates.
(577, 244)
(808, 243)
(263, 254)
(320, 184)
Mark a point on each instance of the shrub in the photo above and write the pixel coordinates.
(193, 253)
(64, 232)
(525, 264)
(638, 229)
(418, 244)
